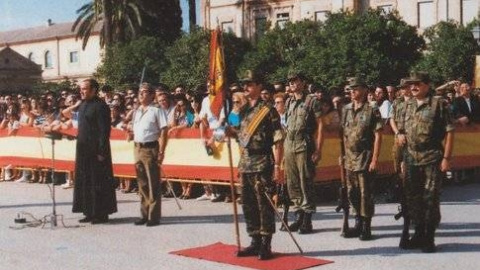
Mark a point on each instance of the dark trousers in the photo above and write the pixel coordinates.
(423, 185)
(360, 193)
(258, 212)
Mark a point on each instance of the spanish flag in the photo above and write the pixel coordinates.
(216, 76)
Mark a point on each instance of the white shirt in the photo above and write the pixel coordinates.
(386, 109)
(206, 112)
(170, 112)
(148, 124)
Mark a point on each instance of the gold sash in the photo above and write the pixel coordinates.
(246, 134)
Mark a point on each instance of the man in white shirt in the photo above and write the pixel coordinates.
(214, 123)
(150, 138)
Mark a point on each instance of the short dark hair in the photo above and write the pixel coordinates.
(93, 84)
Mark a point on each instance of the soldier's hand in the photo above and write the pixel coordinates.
(401, 139)
(463, 120)
(445, 165)
(373, 166)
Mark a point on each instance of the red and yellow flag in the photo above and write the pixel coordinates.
(216, 76)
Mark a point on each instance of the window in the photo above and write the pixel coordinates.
(282, 19)
(386, 9)
(48, 59)
(321, 16)
(31, 57)
(469, 11)
(74, 57)
(337, 5)
(426, 14)
(260, 27)
(227, 27)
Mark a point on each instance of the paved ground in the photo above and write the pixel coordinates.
(121, 245)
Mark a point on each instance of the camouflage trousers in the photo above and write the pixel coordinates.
(360, 192)
(423, 186)
(258, 212)
(299, 172)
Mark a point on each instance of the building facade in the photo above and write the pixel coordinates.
(251, 18)
(17, 73)
(55, 49)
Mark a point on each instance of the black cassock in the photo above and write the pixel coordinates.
(94, 189)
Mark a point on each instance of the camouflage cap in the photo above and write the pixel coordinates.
(416, 77)
(403, 83)
(252, 76)
(356, 82)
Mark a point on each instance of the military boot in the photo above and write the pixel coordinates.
(253, 249)
(306, 226)
(298, 221)
(418, 238)
(265, 250)
(366, 232)
(355, 231)
(429, 243)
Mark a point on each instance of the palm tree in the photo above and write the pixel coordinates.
(119, 21)
(88, 16)
(192, 14)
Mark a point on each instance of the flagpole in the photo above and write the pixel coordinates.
(230, 159)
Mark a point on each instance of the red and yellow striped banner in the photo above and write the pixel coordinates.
(186, 157)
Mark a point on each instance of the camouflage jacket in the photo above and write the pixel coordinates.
(425, 129)
(301, 118)
(359, 127)
(398, 113)
(257, 155)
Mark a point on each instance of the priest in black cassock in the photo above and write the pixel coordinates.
(94, 190)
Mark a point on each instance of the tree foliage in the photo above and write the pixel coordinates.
(188, 58)
(382, 48)
(162, 19)
(123, 63)
(120, 21)
(55, 87)
(125, 20)
(281, 49)
(450, 52)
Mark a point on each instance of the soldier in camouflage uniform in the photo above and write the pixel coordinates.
(428, 124)
(303, 145)
(397, 122)
(260, 130)
(362, 125)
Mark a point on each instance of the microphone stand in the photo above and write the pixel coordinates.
(53, 136)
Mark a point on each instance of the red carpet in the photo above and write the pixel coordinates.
(222, 253)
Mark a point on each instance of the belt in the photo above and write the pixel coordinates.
(147, 144)
(255, 152)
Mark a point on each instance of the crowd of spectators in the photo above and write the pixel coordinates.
(187, 109)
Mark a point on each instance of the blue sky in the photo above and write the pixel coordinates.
(16, 14)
